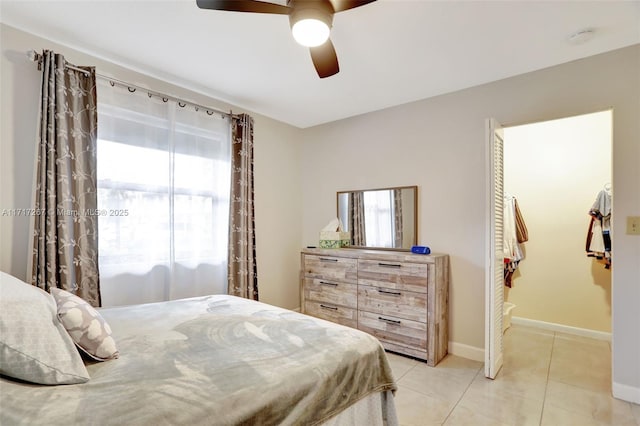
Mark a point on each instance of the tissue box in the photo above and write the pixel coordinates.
(334, 239)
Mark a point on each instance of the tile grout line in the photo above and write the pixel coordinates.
(461, 396)
(397, 379)
(546, 385)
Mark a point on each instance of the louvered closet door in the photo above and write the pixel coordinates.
(494, 287)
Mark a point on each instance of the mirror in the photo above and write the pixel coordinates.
(385, 218)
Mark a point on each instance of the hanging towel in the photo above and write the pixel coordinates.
(512, 250)
(521, 229)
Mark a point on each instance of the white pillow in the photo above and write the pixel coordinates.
(34, 346)
(85, 325)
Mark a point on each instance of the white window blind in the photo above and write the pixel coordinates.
(163, 195)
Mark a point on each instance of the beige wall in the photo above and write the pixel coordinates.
(277, 165)
(555, 169)
(439, 145)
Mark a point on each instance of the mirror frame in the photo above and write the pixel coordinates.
(415, 216)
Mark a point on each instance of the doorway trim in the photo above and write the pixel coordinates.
(491, 352)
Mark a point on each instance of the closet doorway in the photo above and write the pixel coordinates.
(555, 170)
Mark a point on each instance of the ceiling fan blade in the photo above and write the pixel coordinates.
(340, 5)
(325, 59)
(244, 6)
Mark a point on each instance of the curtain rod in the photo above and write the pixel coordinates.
(37, 57)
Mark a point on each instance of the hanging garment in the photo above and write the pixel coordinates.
(512, 250)
(601, 208)
(521, 229)
(514, 232)
(509, 269)
(595, 239)
(599, 233)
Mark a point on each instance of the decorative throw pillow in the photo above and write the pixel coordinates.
(85, 325)
(34, 346)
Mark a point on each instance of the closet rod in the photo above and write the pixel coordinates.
(36, 57)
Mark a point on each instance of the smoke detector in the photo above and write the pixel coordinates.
(581, 36)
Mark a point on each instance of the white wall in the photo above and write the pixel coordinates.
(555, 169)
(277, 165)
(439, 145)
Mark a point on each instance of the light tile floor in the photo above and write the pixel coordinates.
(548, 378)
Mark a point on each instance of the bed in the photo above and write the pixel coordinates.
(217, 360)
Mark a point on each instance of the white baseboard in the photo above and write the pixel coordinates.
(466, 351)
(584, 332)
(626, 392)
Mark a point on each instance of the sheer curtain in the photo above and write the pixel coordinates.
(163, 195)
(379, 218)
(397, 218)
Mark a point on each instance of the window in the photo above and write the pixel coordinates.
(379, 216)
(163, 194)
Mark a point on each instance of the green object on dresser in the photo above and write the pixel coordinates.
(334, 239)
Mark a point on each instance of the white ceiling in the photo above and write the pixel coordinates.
(390, 52)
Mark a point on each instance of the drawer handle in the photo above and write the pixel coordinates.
(333, 308)
(328, 283)
(393, 293)
(389, 265)
(326, 259)
(390, 321)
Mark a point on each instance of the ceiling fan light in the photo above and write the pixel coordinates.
(310, 32)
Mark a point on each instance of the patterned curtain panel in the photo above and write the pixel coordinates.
(65, 232)
(243, 277)
(356, 215)
(397, 222)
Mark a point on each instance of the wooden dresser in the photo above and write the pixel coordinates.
(399, 297)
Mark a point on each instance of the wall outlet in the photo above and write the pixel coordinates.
(633, 225)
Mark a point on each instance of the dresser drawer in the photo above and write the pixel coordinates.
(332, 292)
(398, 331)
(400, 303)
(331, 268)
(330, 312)
(396, 275)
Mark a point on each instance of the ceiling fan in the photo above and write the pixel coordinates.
(310, 22)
